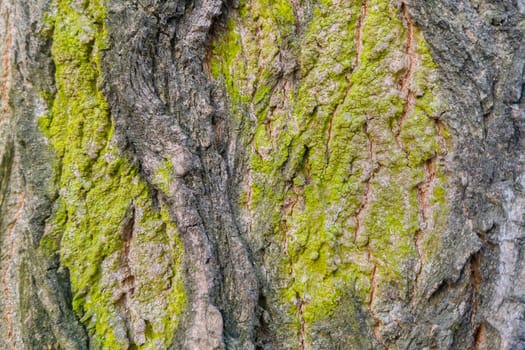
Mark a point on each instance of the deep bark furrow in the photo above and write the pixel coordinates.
(6, 68)
(359, 32)
(408, 77)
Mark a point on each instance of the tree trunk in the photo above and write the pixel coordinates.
(258, 174)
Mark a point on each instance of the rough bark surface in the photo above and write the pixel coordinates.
(216, 174)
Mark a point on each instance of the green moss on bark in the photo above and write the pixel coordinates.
(123, 254)
(342, 139)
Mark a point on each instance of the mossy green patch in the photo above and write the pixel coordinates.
(164, 176)
(105, 227)
(336, 157)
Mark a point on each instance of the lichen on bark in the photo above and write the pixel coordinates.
(123, 254)
(340, 108)
(255, 174)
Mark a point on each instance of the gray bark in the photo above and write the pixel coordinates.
(479, 46)
(166, 107)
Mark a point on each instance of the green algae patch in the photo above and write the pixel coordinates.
(123, 254)
(163, 176)
(340, 143)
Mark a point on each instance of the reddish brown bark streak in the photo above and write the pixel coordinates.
(5, 83)
(412, 60)
(359, 32)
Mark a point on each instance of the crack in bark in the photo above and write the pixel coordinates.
(359, 32)
(373, 290)
(425, 187)
(440, 127)
(475, 281)
(359, 227)
(480, 338)
(361, 210)
(5, 83)
(424, 208)
(417, 242)
(302, 329)
(406, 91)
(368, 183)
(284, 246)
(249, 201)
(127, 280)
(298, 14)
(410, 51)
(260, 72)
(300, 303)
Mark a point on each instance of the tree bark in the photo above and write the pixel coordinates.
(216, 174)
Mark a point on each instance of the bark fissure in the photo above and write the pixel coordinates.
(359, 32)
(126, 279)
(302, 323)
(480, 340)
(424, 209)
(378, 323)
(360, 226)
(404, 86)
(374, 169)
(5, 78)
(298, 14)
(475, 281)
